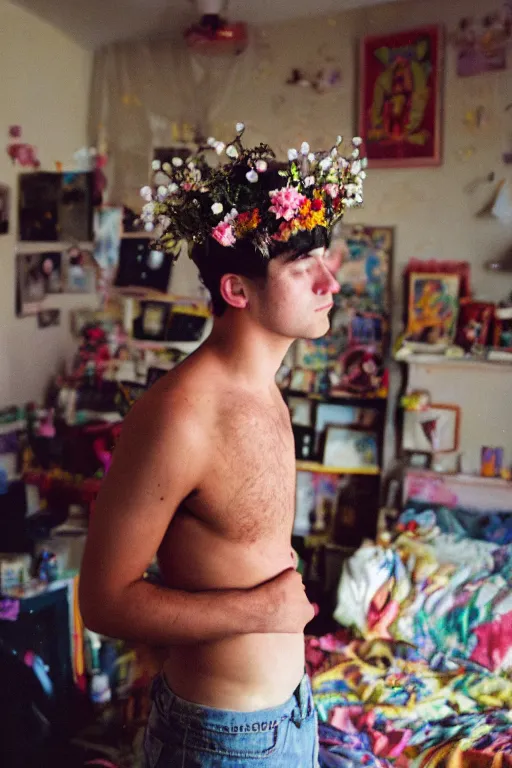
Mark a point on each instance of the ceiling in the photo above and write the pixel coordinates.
(96, 22)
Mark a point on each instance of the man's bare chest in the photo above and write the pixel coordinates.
(250, 491)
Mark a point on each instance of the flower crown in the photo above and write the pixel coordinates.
(233, 201)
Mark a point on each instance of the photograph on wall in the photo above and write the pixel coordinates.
(400, 107)
(79, 271)
(48, 318)
(364, 274)
(30, 283)
(482, 43)
(4, 209)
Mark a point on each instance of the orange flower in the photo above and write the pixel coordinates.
(246, 222)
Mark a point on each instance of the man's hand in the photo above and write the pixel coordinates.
(284, 605)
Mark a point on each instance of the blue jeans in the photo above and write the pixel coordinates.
(185, 735)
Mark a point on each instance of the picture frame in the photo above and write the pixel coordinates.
(301, 411)
(433, 308)
(400, 104)
(5, 208)
(302, 380)
(474, 325)
(153, 320)
(433, 430)
(502, 336)
(350, 449)
(365, 273)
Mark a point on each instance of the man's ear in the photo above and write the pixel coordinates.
(233, 291)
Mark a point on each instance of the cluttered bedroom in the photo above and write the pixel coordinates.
(392, 120)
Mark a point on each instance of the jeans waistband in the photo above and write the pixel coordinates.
(298, 707)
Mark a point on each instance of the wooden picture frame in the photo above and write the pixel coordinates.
(400, 104)
(433, 430)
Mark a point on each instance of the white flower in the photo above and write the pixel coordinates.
(311, 157)
(326, 163)
(350, 202)
(191, 166)
(362, 175)
(343, 162)
(148, 226)
(252, 176)
(217, 208)
(339, 140)
(177, 162)
(166, 167)
(356, 167)
(334, 152)
(304, 148)
(261, 166)
(155, 165)
(357, 141)
(231, 216)
(211, 141)
(232, 151)
(173, 188)
(359, 198)
(292, 154)
(309, 181)
(219, 147)
(364, 162)
(240, 127)
(355, 153)
(162, 191)
(148, 209)
(146, 193)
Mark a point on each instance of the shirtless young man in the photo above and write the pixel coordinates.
(204, 475)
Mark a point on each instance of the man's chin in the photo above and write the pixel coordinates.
(316, 332)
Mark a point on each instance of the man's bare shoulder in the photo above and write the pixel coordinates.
(182, 399)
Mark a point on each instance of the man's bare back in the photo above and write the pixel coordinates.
(234, 533)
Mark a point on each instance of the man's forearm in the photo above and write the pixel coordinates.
(159, 616)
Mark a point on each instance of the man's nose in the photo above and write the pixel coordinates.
(326, 282)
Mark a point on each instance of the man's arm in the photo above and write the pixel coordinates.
(159, 460)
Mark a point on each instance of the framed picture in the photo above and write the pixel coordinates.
(47, 318)
(432, 430)
(302, 380)
(332, 414)
(153, 320)
(400, 108)
(301, 411)
(474, 325)
(502, 337)
(365, 272)
(350, 448)
(433, 307)
(366, 329)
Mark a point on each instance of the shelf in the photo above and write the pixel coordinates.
(313, 466)
(455, 362)
(27, 246)
(348, 399)
(138, 293)
(181, 346)
(137, 235)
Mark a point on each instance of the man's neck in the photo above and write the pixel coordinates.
(251, 353)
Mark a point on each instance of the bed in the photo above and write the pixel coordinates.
(420, 672)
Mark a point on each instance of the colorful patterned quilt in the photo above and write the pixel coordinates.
(422, 676)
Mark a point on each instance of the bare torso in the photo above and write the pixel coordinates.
(234, 532)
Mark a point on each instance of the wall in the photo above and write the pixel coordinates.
(44, 88)
(434, 215)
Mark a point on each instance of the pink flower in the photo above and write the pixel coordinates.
(332, 190)
(224, 233)
(286, 202)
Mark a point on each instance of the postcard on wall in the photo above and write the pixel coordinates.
(38, 274)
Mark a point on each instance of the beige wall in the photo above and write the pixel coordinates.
(44, 87)
(434, 216)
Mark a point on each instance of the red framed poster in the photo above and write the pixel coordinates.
(400, 104)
